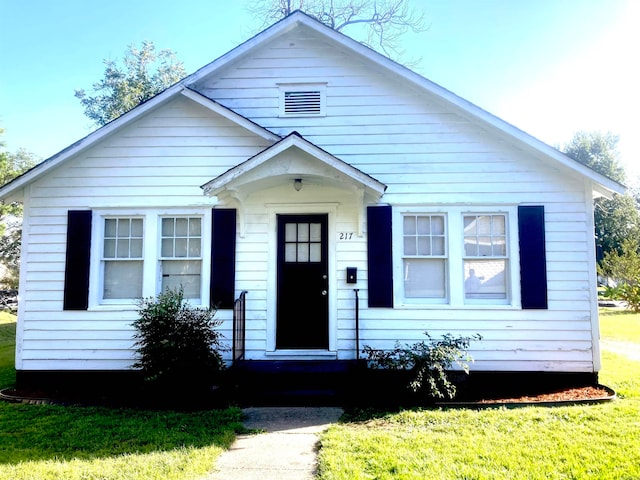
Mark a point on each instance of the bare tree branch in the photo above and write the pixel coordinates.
(385, 21)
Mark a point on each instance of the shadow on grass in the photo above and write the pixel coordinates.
(43, 432)
(115, 428)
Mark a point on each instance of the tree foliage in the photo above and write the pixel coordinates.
(624, 269)
(381, 22)
(11, 166)
(599, 151)
(615, 219)
(144, 72)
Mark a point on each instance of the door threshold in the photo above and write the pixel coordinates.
(292, 354)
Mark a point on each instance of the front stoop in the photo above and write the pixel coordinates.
(290, 382)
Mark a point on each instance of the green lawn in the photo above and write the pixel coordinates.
(39, 442)
(573, 442)
(619, 325)
(577, 442)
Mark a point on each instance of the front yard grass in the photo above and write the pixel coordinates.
(572, 442)
(46, 442)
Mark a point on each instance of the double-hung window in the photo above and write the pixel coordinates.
(142, 253)
(181, 254)
(424, 256)
(456, 256)
(122, 257)
(485, 257)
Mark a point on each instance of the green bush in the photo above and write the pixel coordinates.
(177, 344)
(427, 362)
(624, 270)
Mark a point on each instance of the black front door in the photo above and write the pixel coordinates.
(303, 283)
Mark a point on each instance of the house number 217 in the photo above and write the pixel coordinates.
(345, 235)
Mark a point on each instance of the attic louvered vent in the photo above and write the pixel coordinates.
(307, 103)
(302, 100)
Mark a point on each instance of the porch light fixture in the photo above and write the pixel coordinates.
(297, 184)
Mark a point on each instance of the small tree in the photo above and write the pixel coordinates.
(144, 74)
(178, 345)
(624, 269)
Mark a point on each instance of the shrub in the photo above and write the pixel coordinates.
(178, 344)
(427, 362)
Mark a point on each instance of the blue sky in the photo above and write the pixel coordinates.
(549, 67)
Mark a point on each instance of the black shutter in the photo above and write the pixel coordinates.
(379, 256)
(533, 264)
(76, 272)
(223, 258)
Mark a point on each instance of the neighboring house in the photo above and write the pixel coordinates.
(295, 158)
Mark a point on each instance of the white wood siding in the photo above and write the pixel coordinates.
(159, 161)
(428, 153)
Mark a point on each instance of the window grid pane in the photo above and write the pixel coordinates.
(485, 236)
(122, 238)
(424, 236)
(181, 237)
(303, 243)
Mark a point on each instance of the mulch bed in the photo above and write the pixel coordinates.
(575, 394)
(569, 395)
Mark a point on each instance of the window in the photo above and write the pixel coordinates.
(181, 254)
(424, 259)
(302, 100)
(138, 254)
(122, 257)
(455, 256)
(485, 257)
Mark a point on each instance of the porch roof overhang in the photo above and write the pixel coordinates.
(289, 159)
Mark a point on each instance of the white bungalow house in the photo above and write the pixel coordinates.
(306, 169)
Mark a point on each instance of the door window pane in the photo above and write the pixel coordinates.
(303, 242)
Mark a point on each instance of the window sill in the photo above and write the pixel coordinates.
(447, 306)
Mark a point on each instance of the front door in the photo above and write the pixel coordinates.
(303, 283)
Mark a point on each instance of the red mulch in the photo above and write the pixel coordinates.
(564, 395)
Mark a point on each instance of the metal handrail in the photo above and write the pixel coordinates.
(239, 326)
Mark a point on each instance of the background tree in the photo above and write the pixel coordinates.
(11, 166)
(379, 24)
(145, 72)
(598, 151)
(615, 219)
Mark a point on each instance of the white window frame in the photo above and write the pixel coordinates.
(284, 88)
(162, 259)
(454, 273)
(444, 257)
(152, 271)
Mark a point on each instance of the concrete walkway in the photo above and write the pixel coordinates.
(286, 451)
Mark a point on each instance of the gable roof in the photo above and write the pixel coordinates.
(600, 184)
(114, 126)
(325, 167)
